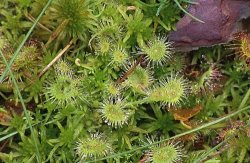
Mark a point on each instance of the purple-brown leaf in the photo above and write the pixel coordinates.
(222, 19)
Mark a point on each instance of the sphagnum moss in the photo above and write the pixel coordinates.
(77, 15)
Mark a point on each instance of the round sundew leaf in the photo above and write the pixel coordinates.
(140, 79)
(119, 56)
(175, 91)
(156, 52)
(64, 90)
(171, 92)
(165, 154)
(95, 146)
(157, 94)
(113, 113)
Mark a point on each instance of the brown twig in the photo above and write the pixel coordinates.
(4, 145)
(56, 58)
(225, 147)
(131, 8)
(31, 18)
(121, 79)
(57, 31)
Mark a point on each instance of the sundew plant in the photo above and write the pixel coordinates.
(100, 81)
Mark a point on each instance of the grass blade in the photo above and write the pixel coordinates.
(181, 8)
(23, 106)
(8, 136)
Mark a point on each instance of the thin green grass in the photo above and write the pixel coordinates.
(209, 152)
(181, 8)
(15, 132)
(8, 68)
(23, 106)
(8, 136)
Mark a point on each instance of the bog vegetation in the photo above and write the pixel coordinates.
(99, 81)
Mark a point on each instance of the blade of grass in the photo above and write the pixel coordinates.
(245, 99)
(8, 136)
(191, 2)
(32, 19)
(23, 106)
(241, 109)
(24, 40)
(205, 156)
(181, 8)
(16, 132)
